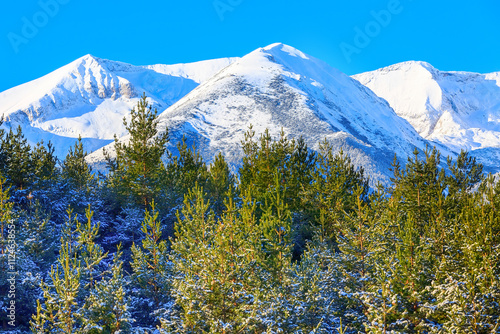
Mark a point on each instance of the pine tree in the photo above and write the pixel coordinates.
(234, 274)
(420, 187)
(275, 225)
(338, 204)
(91, 253)
(411, 244)
(423, 225)
(138, 170)
(185, 170)
(106, 308)
(466, 288)
(220, 269)
(199, 273)
(221, 182)
(466, 172)
(43, 162)
(74, 167)
(60, 310)
(36, 245)
(26, 248)
(37, 234)
(318, 303)
(63, 309)
(336, 189)
(151, 271)
(267, 157)
(239, 277)
(17, 152)
(288, 159)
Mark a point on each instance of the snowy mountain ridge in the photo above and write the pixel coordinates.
(90, 96)
(458, 109)
(371, 116)
(279, 87)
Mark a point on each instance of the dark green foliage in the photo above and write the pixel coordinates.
(265, 159)
(137, 170)
(106, 307)
(298, 245)
(74, 168)
(80, 296)
(151, 271)
(26, 167)
(276, 227)
(291, 162)
(18, 167)
(420, 186)
(185, 170)
(221, 184)
(44, 162)
(335, 190)
(466, 286)
(465, 174)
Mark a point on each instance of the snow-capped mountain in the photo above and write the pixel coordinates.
(280, 87)
(90, 97)
(458, 109)
(371, 116)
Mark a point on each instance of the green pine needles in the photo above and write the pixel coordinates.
(296, 242)
(137, 169)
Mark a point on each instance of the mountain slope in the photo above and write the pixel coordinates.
(458, 109)
(214, 102)
(280, 87)
(90, 97)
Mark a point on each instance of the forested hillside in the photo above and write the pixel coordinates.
(296, 242)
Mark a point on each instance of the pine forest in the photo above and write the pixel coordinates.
(289, 241)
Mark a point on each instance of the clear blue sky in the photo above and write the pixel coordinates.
(451, 35)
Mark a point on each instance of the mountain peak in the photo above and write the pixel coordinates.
(283, 48)
(88, 56)
(87, 59)
(421, 64)
(276, 87)
(279, 87)
(417, 63)
(265, 64)
(273, 45)
(457, 109)
(90, 96)
(411, 65)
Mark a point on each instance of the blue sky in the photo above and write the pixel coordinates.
(38, 36)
